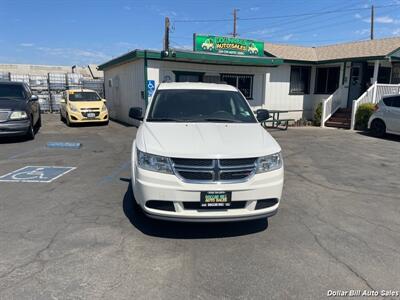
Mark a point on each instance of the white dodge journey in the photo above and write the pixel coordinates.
(201, 155)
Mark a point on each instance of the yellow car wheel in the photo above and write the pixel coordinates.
(67, 121)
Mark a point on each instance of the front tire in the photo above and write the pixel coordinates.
(39, 123)
(378, 128)
(67, 121)
(31, 132)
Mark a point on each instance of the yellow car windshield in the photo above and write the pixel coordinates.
(84, 96)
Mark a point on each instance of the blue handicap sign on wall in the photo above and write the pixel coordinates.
(36, 174)
(151, 86)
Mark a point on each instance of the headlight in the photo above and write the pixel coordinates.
(154, 163)
(104, 108)
(269, 163)
(72, 107)
(18, 115)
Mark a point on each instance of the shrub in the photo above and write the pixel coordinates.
(363, 113)
(318, 115)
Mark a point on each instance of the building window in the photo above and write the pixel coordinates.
(243, 83)
(327, 80)
(181, 76)
(300, 80)
(395, 73)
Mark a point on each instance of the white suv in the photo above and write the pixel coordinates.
(200, 154)
(386, 118)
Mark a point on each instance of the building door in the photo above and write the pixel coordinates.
(356, 82)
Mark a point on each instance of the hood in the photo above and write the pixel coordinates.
(12, 104)
(206, 140)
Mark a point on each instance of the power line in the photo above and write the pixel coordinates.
(315, 27)
(282, 16)
(296, 26)
(296, 20)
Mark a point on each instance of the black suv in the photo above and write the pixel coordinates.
(19, 110)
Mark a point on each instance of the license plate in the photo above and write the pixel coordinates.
(91, 115)
(215, 199)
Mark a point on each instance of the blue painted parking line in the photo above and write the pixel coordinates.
(36, 174)
(70, 145)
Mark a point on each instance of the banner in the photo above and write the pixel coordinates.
(227, 45)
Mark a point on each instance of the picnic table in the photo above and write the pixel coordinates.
(276, 120)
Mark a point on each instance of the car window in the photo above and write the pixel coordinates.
(83, 96)
(15, 91)
(200, 106)
(392, 101)
(396, 102)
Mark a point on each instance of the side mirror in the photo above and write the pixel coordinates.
(104, 101)
(62, 100)
(262, 115)
(136, 113)
(34, 98)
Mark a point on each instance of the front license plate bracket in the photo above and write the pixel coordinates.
(215, 199)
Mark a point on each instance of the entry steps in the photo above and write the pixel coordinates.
(340, 119)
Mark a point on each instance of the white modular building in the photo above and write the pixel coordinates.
(290, 78)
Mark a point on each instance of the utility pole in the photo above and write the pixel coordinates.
(234, 22)
(372, 22)
(166, 34)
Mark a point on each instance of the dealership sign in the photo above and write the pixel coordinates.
(227, 45)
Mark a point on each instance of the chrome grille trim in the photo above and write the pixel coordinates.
(90, 109)
(215, 169)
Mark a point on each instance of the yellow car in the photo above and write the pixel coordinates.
(83, 106)
(207, 45)
(252, 49)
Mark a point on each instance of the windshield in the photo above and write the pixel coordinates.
(200, 106)
(11, 91)
(84, 96)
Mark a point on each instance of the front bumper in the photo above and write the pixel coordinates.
(14, 128)
(149, 185)
(78, 117)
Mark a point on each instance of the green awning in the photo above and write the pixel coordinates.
(194, 57)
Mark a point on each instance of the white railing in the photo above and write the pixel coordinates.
(373, 95)
(332, 104)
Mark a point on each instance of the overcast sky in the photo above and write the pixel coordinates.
(67, 32)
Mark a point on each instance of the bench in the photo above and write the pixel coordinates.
(278, 122)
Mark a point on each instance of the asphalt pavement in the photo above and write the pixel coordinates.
(80, 237)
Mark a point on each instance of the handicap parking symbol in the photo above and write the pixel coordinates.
(151, 86)
(36, 174)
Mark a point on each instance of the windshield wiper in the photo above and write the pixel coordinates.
(164, 120)
(220, 120)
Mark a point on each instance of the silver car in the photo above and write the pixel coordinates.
(386, 118)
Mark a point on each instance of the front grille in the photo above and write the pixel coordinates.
(193, 162)
(4, 116)
(196, 175)
(237, 161)
(96, 114)
(197, 206)
(214, 170)
(235, 175)
(90, 109)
